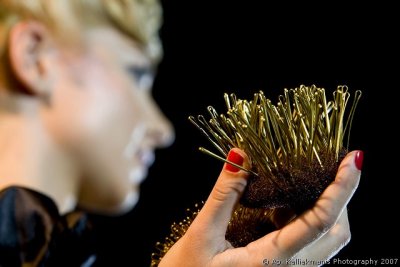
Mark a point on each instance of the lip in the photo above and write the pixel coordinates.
(141, 156)
(142, 159)
(137, 175)
(146, 157)
(134, 145)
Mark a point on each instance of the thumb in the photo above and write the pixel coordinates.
(216, 213)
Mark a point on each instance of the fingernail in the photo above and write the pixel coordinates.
(358, 160)
(235, 158)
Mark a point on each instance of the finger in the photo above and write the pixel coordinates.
(330, 243)
(313, 223)
(214, 217)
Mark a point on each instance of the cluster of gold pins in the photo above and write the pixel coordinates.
(302, 125)
(299, 129)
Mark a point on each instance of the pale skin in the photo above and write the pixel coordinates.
(87, 133)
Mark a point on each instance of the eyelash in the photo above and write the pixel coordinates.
(139, 73)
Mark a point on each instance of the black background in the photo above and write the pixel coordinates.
(242, 47)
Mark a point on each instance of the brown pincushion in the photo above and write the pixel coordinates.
(295, 188)
(265, 207)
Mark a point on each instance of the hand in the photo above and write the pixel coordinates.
(317, 234)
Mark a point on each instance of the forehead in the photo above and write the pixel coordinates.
(125, 50)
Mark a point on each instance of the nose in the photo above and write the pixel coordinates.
(160, 131)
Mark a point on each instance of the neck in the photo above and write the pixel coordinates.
(30, 158)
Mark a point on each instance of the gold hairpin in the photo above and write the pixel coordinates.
(208, 152)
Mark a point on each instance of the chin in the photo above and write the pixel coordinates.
(121, 207)
(129, 202)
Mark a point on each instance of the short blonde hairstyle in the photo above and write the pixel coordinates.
(139, 19)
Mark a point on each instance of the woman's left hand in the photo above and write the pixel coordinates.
(316, 235)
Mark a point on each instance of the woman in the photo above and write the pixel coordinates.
(78, 126)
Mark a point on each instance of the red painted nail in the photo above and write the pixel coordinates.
(358, 160)
(235, 158)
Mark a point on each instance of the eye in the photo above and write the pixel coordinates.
(143, 76)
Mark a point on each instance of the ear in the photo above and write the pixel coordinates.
(31, 52)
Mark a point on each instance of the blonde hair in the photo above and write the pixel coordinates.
(139, 19)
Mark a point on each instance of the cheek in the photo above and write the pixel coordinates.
(94, 120)
(109, 118)
(110, 110)
(101, 105)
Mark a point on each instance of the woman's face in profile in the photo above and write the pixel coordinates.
(104, 114)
